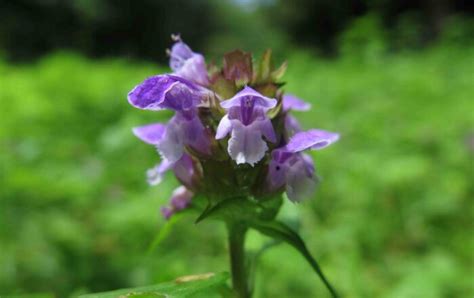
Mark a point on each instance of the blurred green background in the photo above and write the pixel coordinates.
(393, 216)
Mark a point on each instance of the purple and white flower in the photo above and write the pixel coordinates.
(294, 170)
(247, 123)
(185, 128)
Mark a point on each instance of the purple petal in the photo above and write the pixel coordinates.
(194, 69)
(181, 198)
(224, 127)
(291, 102)
(312, 139)
(292, 125)
(180, 132)
(276, 177)
(150, 134)
(300, 181)
(171, 146)
(187, 64)
(249, 93)
(155, 174)
(151, 93)
(181, 98)
(309, 165)
(266, 129)
(195, 135)
(180, 52)
(155, 92)
(167, 212)
(184, 170)
(246, 144)
(280, 155)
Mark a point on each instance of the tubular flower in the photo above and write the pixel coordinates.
(185, 128)
(247, 123)
(232, 133)
(289, 167)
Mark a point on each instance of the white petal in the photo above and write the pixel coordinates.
(223, 128)
(246, 144)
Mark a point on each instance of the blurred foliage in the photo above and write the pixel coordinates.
(319, 23)
(393, 216)
(141, 28)
(31, 28)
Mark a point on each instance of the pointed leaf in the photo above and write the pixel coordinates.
(231, 209)
(280, 231)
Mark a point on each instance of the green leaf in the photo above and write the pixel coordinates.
(280, 231)
(238, 208)
(242, 209)
(192, 286)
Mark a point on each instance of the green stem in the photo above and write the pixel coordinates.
(237, 259)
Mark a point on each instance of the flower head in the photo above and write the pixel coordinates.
(232, 133)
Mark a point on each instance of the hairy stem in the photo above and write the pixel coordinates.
(237, 259)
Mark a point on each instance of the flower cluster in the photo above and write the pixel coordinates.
(232, 133)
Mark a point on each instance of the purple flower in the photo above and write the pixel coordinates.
(151, 133)
(185, 128)
(180, 200)
(247, 122)
(292, 103)
(294, 170)
(187, 64)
